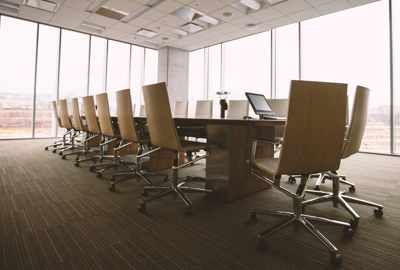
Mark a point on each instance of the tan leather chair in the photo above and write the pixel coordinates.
(204, 109)
(181, 109)
(66, 123)
(60, 142)
(163, 134)
(351, 146)
(237, 109)
(309, 146)
(92, 129)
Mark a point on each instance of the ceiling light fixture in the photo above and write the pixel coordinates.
(9, 7)
(208, 19)
(191, 27)
(146, 33)
(253, 4)
(45, 5)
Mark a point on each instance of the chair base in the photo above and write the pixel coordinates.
(340, 198)
(304, 220)
(130, 173)
(177, 189)
(322, 177)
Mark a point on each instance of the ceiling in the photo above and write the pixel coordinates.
(233, 19)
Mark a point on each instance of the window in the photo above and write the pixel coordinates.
(286, 52)
(352, 46)
(137, 76)
(151, 66)
(196, 79)
(98, 63)
(46, 81)
(214, 76)
(396, 74)
(73, 64)
(117, 70)
(17, 69)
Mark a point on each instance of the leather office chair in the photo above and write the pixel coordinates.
(309, 146)
(142, 111)
(351, 146)
(93, 131)
(129, 141)
(237, 109)
(181, 109)
(60, 142)
(67, 124)
(163, 134)
(204, 109)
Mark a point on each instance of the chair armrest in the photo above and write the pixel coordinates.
(148, 152)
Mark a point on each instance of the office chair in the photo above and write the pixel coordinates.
(309, 146)
(67, 124)
(163, 135)
(129, 140)
(60, 142)
(181, 109)
(351, 146)
(237, 109)
(93, 131)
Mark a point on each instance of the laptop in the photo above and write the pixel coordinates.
(260, 106)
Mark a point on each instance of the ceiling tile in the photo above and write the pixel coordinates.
(318, 2)
(332, 7)
(77, 4)
(158, 27)
(305, 15)
(220, 14)
(266, 14)
(69, 17)
(360, 2)
(207, 5)
(123, 27)
(172, 21)
(101, 20)
(243, 21)
(123, 5)
(35, 14)
(292, 6)
(168, 6)
(152, 15)
(140, 21)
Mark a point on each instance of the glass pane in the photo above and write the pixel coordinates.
(286, 58)
(396, 73)
(151, 66)
(117, 70)
(98, 58)
(17, 69)
(352, 46)
(46, 81)
(214, 76)
(196, 79)
(137, 75)
(74, 64)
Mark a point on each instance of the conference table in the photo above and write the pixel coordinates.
(230, 142)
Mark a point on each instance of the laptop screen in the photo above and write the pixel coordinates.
(258, 103)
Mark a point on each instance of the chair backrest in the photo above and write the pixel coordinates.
(126, 122)
(89, 110)
(315, 128)
(279, 106)
(237, 109)
(76, 116)
(63, 113)
(103, 113)
(161, 125)
(358, 122)
(54, 106)
(204, 109)
(181, 109)
(142, 111)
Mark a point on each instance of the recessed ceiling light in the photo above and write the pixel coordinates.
(165, 38)
(146, 33)
(251, 26)
(253, 4)
(46, 5)
(111, 13)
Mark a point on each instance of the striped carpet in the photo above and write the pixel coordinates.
(56, 216)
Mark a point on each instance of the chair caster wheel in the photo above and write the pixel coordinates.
(261, 243)
(292, 180)
(99, 175)
(352, 189)
(336, 259)
(92, 168)
(317, 188)
(63, 157)
(378, 212)
(76, 164)
(46, 148)
(348, 232)
(141, 206)
(61, 153)
(54, 150)
(188, 211)
(112, 188)
(253, 218)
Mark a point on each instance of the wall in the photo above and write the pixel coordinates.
(173, 68)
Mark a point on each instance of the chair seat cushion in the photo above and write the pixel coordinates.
(268, 166)
(190, 146)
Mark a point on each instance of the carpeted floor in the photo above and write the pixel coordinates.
(56, 216)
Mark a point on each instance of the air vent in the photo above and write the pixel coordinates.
(46, 5)
(146, 33)
(191, 27)
(111, 13)
(9, 7)
(91, 27)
